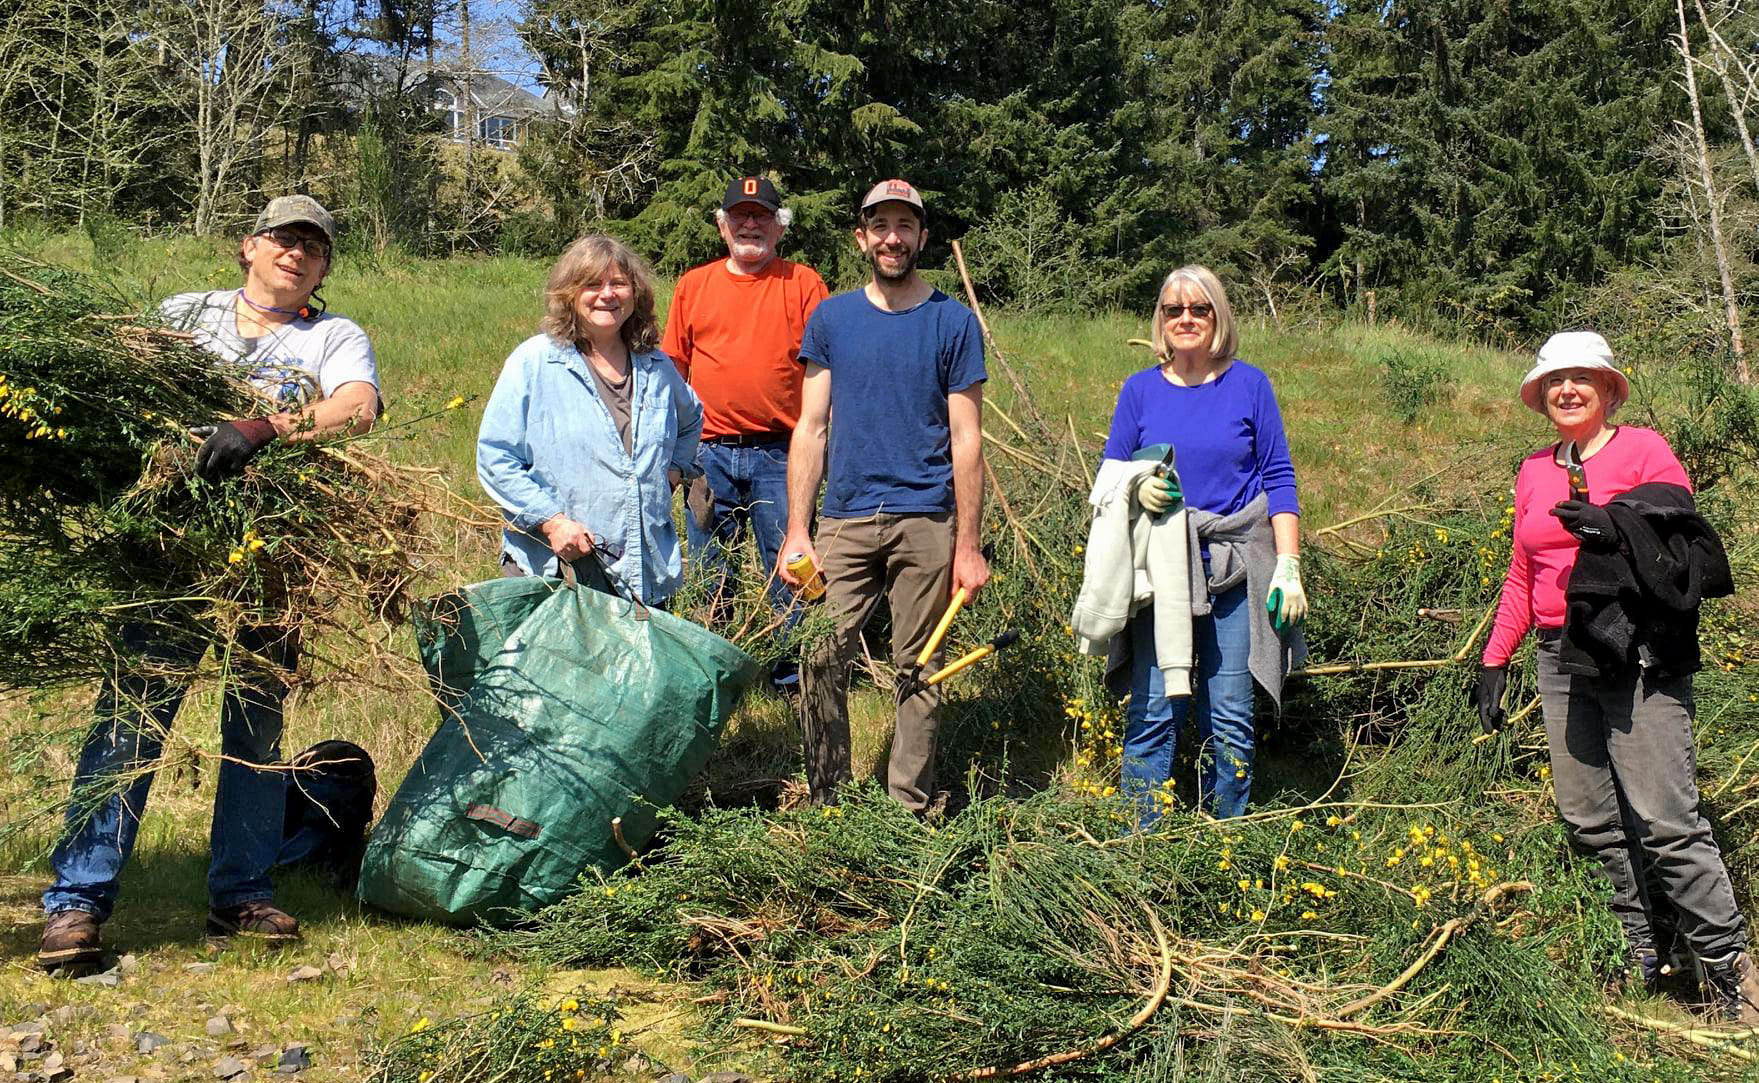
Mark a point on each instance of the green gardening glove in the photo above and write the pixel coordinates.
(1287, 603)
(1158, 493)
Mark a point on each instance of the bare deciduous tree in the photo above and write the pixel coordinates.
(608, 159)
(1723, 58)
(1731, 307)
(80, 107)
(220, 73)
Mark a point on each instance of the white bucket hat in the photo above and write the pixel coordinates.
(1574, 350)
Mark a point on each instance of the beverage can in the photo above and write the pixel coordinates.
(812, 584)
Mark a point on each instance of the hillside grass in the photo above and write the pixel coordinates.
(1368, 410)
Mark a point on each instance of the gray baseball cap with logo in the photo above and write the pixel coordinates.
(295, 210)
(887, 190)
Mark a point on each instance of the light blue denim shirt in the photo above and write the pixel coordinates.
(548, 446)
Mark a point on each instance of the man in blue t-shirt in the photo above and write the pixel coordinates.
(898, 365)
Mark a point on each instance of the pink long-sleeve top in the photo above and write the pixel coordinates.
(1544, 552)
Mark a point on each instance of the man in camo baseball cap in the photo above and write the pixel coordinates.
(296, 210)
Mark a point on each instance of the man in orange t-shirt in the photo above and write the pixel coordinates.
(734, 331)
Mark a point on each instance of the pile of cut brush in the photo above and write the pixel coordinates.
(1406, 910)
(106, 532)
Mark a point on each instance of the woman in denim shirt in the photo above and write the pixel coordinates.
(590, 428)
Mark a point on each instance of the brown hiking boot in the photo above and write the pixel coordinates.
(70, 940)
(1733, 984)
(258, 918)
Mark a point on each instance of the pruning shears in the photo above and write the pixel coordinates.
(1577, 471)
(914, 682)
(970, 658)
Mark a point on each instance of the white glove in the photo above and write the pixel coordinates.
(1157, 492)
(1287, 603)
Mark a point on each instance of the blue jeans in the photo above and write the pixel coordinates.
(1222, 698)
(134, 714)
(750, 489)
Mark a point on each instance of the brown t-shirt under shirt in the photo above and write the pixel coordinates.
(616, 397)
(736, 339)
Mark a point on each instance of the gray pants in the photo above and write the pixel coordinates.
(909, 559)
(1624, 771)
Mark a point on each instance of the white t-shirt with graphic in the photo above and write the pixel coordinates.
(295, 365)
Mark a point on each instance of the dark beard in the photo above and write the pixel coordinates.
(882, 276)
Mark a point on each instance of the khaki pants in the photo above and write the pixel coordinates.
(910, 559)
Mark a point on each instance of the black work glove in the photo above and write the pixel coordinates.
(232, 444)
(1590, 523)
(1487, 697)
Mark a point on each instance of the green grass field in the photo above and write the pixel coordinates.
(1369, 411)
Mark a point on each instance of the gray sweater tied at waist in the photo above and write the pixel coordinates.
(1242, 549)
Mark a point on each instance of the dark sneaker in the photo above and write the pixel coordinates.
(1733, 985)
(70, 940)
(259, 919)
(785, 678)
(1641, 972)
(1649, 972)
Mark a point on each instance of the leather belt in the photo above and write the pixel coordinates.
(749, 439)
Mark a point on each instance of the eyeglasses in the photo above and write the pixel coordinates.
(1198, 311)
(287, 239)
(760, 216)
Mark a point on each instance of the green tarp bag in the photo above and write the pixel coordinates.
(562, 708)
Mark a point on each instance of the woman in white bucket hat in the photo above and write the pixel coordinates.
(1622, 751)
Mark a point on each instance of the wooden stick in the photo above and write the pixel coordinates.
(992, 408)
(1444, 934)
(1478, 630)
(617, 834)
(1521, 715)
(1152, 1005)
(1736, 773)
(1333, 668)
(994, 349)
(1445, 616)
(1080, 455)
(773, 1028)
(1383, 514)
(1048, 468)
(44, 290)
(1459, 656)
(1013, 520)
(1709, 1039)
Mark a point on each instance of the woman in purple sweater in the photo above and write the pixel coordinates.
(1233, 472)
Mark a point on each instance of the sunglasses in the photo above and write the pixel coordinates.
(759, 216)
(1198, 311)
(287, 239)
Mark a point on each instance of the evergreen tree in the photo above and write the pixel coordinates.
(1483, 163)
(1222, 103)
